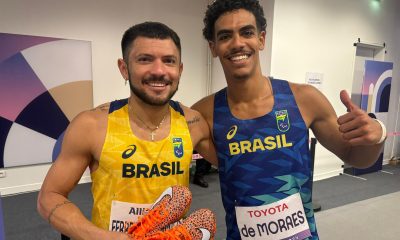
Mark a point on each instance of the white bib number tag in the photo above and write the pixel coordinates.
(284, 219)
(124, 214)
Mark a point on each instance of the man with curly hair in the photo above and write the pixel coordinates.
(260, 130)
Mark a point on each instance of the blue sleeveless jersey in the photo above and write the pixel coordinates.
(257, 166)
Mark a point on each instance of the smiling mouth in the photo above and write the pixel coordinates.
(157, 84)
(240, 57)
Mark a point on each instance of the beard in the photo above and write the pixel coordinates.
(149, 99)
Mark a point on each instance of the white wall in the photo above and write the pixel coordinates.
(318, 36)
(103, 22)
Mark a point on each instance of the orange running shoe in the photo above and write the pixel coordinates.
(200, 225)
(172, 204)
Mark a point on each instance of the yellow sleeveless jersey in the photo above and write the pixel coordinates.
(132, 173)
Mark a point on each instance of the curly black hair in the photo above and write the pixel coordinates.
(219, 7)
(154, 30)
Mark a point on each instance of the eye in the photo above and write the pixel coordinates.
(223, 37)
(144, 59)
(248, 33)
(170, 60)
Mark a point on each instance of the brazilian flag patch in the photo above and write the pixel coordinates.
(178, 147)
(282, 120)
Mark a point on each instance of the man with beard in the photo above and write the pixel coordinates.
(135, 147)
(260, 129)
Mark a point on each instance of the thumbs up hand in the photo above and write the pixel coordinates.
(356, 126)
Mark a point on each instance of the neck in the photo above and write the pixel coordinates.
(151, 113)
(250, 89)
(147, 116)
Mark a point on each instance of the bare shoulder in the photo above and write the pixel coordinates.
(192, 116)
(206, 100)
(312, 103)
(304, 92)
(195, 121)
(93, 117)
(89, 126)
(206, 107)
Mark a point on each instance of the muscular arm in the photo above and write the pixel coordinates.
(75, 156)
(201, 135)
(352, 137)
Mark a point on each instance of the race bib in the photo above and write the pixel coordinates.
(284, 219)
(124, 214)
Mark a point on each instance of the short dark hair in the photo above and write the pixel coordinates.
(155, 30)
(219, 7)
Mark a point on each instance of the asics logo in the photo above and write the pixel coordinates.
(231, 132)
(206, 235)
(129, 151)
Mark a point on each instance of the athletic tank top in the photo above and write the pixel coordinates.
(132, 172)
(263, 160)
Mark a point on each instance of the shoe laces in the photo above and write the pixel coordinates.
(176, 233)
(149, 221)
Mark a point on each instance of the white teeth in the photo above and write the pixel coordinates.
(157, 84)
(240, 57)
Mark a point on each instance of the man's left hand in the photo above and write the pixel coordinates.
(356, 126)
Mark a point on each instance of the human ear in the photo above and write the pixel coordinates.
(123, 68)
(211, 44)
(261, 39)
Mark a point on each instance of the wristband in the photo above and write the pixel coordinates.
(383, 137)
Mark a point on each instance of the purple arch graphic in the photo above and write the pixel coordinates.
(383, 96)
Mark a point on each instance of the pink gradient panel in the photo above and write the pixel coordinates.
(19, 86)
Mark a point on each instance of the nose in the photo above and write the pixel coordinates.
(237, 42)
(158, 68)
